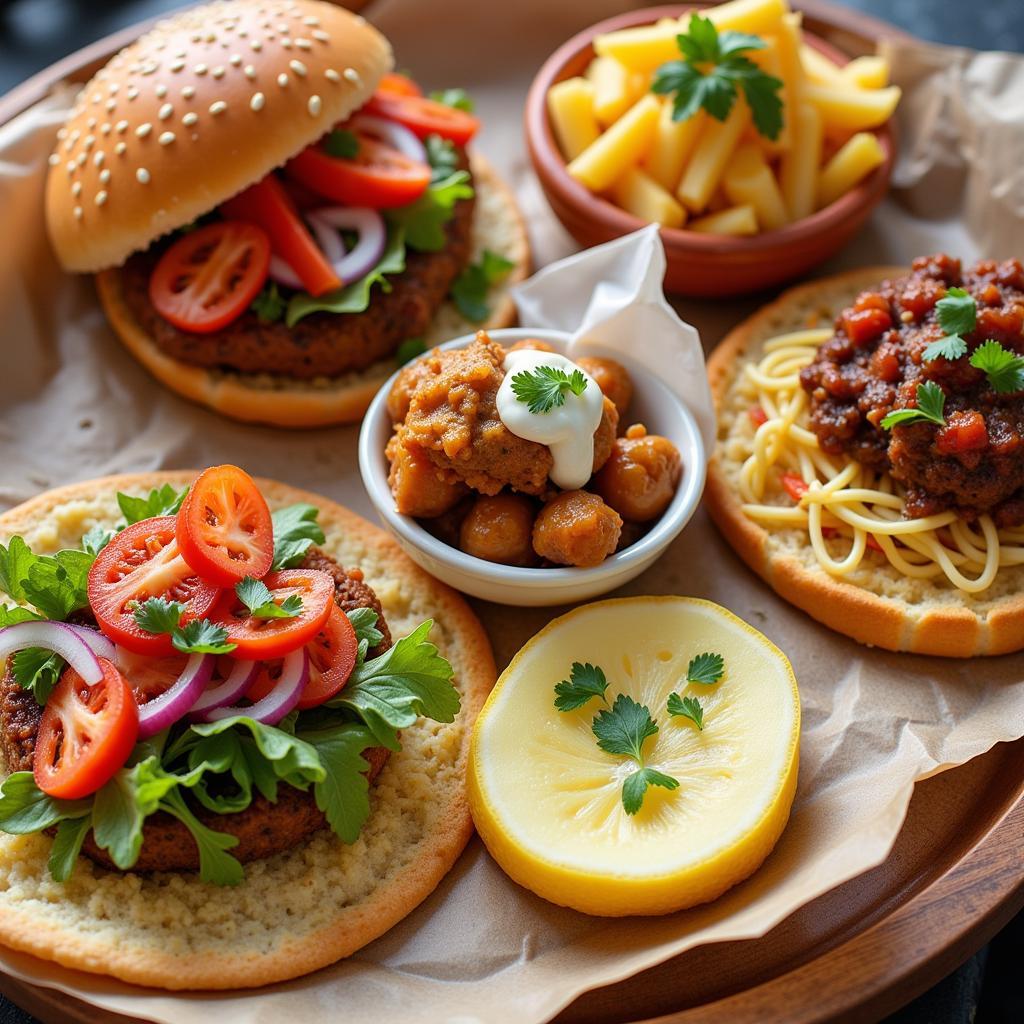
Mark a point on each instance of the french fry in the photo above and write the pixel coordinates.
(791, 72)
(737, 220)
(674, 141)
(613, 87)
(798, 173)
(704, 171)
(818, 68)
(870, 72)
(854, 162)
(571, 109)
(639, 194)
(748, 180)
(756, 17)
(847, 109)
(624, 144)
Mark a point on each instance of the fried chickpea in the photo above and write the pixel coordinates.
(640, 476)
(604, 436)
(576, 528)
(612, 378)
(499, 529)
(400, 395)
(531, 345)
(419, 487)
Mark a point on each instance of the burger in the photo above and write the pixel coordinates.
(275, 218)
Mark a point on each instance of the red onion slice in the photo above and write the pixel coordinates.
(100, 645)
(176, 701)
(373, 237)
(392, 134)
(225, 691)
(281, 699)
(282, 273)
(58, 637)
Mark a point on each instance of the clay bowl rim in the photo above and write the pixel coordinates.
(550, 166)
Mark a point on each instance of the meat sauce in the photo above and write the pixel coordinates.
(874, 363)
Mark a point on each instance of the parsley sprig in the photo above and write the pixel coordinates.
(200, 636)
(256, 596)
(713, 70)
(545, 388)
(469, 290)
(931, 400)
(585, 681)
(705, 669)
(1004, 369)
(957, 313)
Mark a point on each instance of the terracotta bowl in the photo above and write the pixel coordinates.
(698, 264)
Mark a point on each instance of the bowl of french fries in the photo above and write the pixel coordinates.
(758, 147)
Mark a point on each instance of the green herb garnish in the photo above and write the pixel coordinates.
(295, 532)
(705, 668)
(712, 71)
(161, 501)
(1004, 369)
(931, 400)
(256, 596)
(341, 144)
(459, 99)
(686, 707)
(469, 289)
(545, 388)
(269, 305)
(585, 681)
(409, 349)
(957, 313)
(200, 636)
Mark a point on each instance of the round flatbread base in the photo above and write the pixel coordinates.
(288, 402)
(875, 604)
(297, 911)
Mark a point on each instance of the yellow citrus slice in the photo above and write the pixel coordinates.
(547, 800)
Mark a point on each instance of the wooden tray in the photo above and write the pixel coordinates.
(953, 879)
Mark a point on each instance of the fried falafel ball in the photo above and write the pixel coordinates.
(640, 476)
(612, 378)
(576, 528)
(499, 528)
(418, 487)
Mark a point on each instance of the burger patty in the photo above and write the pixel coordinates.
(320, 344)
(263, 828)
(874, 364)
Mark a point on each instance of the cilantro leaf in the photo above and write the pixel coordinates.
(949, 346)
(957, 312)
(12, 614)
(713, 71)
(423, 220)
(457, 98)
(344, 793)
(364, 622)
(1004, 369)
(705, 668)
(341, 144)
(54, 584)
(442, 157)
(158, 615)
(469, 289)
(161, 501)
(585, 681)
(200, 636)
(397, 687)
(931, 400)
(95, 539)
(545, 388)
(216, 865)
(353, 297)
(295, 532)
(67, 844)
(686, 707)
(37, 670)
(255, 595)
(623, 728)
(635, 786)
(269, 305)
(409, 349)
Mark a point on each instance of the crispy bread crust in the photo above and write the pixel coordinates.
(945, 627)
(148, 956)
(283, 402)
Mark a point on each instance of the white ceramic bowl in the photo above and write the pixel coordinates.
(653, 404)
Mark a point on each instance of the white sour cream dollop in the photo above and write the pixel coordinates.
(568, 429)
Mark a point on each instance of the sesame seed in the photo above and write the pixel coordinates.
(190, 119)
(121, 127)
(282, 79)
(110, 105)
(101, 197)
(161, 91)
(105, 128)
(303, 44)
(298, 67)
(98, 159)
(321, 36)
(310, 21)
(120, 148)
(188, 92)
(71, 168)
(243, 32)
(91, 122)
(218, 71)
(113, 87)
(351, 75)
(166, 139)
(96, 97)
(76, 188)
(250, 72)
(196, 37)
(81, 159)
(54, 159)
(165, 111)
(331, 75)
(218, 107)
(142, 176)
(257, 101)
(132, 92)
(359, 19)
(89, 141)
(76, 135)
(62, 133)
(105, 175)
(235, 60)
(256, 45)
(149, 69)
(286, 43)
(78, 213)
(200, 69)
(178, 65)
(143, 130)
(313, 106)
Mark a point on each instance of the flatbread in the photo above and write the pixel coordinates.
(297, 911)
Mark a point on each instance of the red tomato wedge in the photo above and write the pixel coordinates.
(377, 176)
(274, 638)
(224, 528)
(332, 656)
(267, 205)
(398, 85)
(85, 734)
(210, 277)
(144, 561)
(424, 117)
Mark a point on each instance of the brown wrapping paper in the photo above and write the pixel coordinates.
(481, 949)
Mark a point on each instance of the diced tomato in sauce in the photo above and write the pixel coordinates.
(964, 432)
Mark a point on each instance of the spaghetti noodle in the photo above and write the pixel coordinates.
(847, 509)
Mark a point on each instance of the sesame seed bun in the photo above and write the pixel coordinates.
(207, 103)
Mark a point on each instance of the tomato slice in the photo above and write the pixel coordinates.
(378, 175)
(332, 656)
(267, 205)
(224, 528)
(424, 117)
(144, 561)
(210, 277)
(85, 734)
(794, 485)
(274, 638)
(398, 85)
(147, 676)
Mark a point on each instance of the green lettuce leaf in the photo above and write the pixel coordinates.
(343, 794)
(53, 584)
(67, 845)
(216, 865)
(423, 220)
(161, 501)
(25, 808)
(295, 532)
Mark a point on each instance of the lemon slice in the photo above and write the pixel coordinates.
(547, 800)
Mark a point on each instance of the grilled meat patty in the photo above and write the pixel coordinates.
(263, 828)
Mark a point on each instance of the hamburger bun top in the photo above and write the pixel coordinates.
(204, 105)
